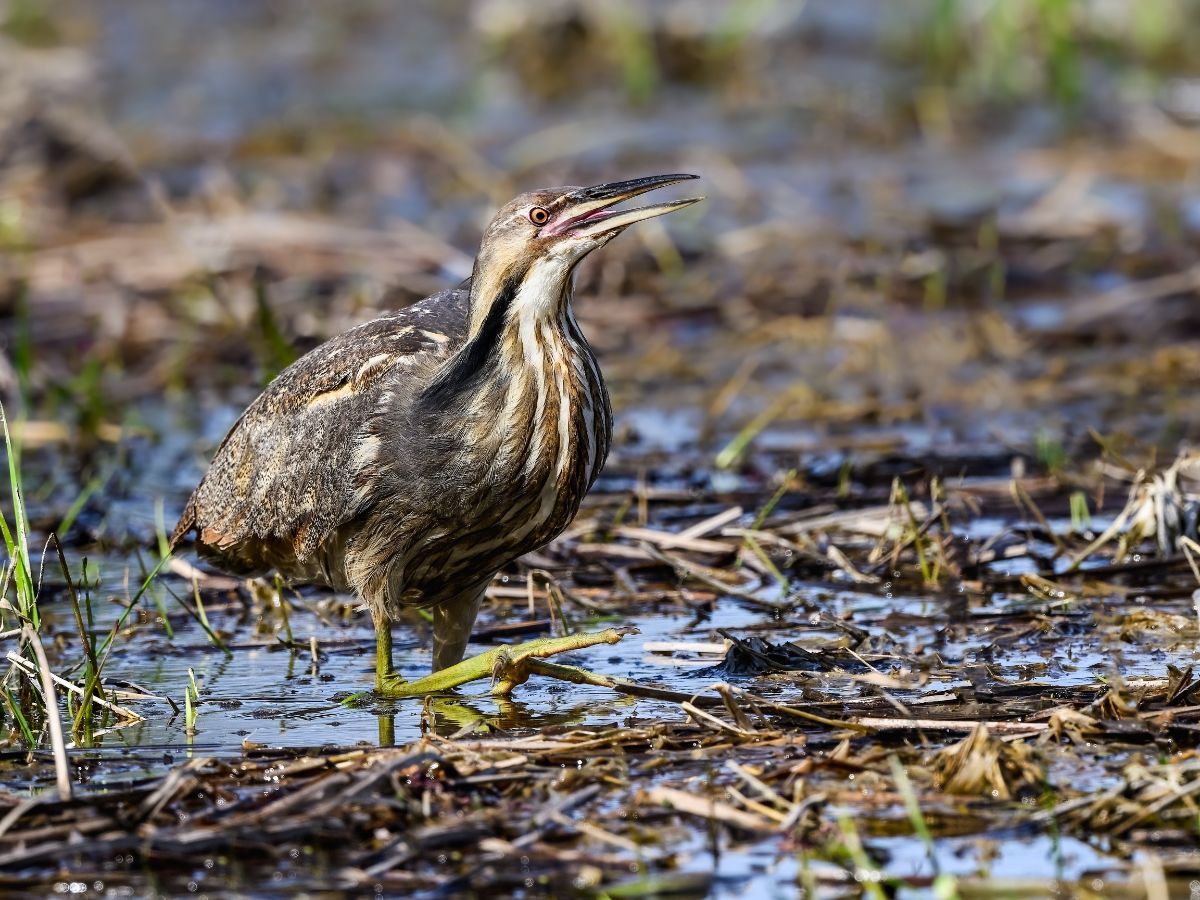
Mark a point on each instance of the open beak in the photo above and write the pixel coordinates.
(586, 212)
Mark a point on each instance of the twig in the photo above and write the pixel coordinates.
(682, 801)
(596, 832)
(59, 745)
(761, 787)
(712, 523)
(16, 812)
(963, 725)
(689, 570)
(704, 718)
(793, 712)
(27, 666)
(670, 541)
(1192, 787)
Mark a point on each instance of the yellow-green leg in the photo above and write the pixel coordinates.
(505, 666)
(453, 620)
(387, 681)
(387, 731)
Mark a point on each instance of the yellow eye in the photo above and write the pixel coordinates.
(539, 216)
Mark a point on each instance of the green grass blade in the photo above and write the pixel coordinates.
(19, 717)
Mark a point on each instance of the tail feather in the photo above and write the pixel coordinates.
(185, 525)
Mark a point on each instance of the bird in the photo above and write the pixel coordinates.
(408, 459)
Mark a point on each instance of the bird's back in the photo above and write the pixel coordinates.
(283, 479)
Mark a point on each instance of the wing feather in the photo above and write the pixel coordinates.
(285, 476)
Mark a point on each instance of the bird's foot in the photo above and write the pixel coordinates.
(512, 666)
(507, 673)
(391, 686)
(507, 667)
(388, 686)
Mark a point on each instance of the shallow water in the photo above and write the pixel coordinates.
(262, 693)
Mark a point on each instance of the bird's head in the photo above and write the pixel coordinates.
(533, 243)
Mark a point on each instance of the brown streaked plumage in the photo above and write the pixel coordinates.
(408, 459)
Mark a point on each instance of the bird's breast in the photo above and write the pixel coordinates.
(545, 440)
(497, 473)
(532, 444)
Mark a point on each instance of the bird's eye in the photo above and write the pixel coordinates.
(539, 216)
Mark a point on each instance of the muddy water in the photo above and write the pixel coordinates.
(261, 692)
(263, 695)
(266, 694)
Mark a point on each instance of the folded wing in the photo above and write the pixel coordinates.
(286, 474)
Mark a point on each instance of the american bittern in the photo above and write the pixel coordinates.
(410, 458)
